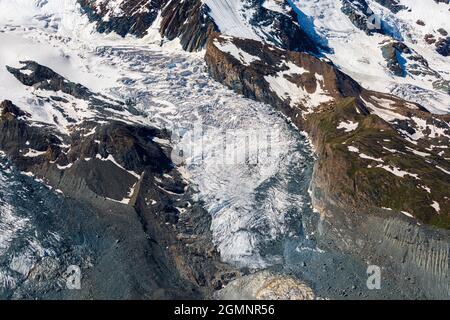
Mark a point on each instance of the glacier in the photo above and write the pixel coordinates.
(253, 205)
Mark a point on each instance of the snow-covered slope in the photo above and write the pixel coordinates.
(23, 39)
(360, 55)
(230, 18)
(234, 17)
(398, 47)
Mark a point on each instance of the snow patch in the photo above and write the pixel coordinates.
(348, 126)
(398, 172)
(285, 89)
(245, 58)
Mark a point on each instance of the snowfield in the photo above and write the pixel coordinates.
(351, 49)
(359, 55)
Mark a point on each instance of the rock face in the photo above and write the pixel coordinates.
(191, 21)
(392, 52)
(187, 20)
(278, 27)
(253, 79)
(417, 249)
(359, 14)
(392, 5)
(130, 190)
(364, 18)
(403, 61)
(40, 77)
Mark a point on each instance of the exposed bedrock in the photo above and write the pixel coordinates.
(392, 52)
(40, 77)
(250, 81)
(137, 18)
(359, 12)
(364, 18)
(191, 23)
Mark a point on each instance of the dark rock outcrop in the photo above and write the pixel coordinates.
(392, 5)
(137, 15)
(392, 52)
(249, 80)
(282, 28)
(361, 15)
(443, 46)
(443, 32)
(41, 77)
(365, 19)
(402, 61)
(346, 100)
(190, 21)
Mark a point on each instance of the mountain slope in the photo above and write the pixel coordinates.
(401, 62)
(390, 51)
(369, 129)
(92, 104)
(194, 20)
